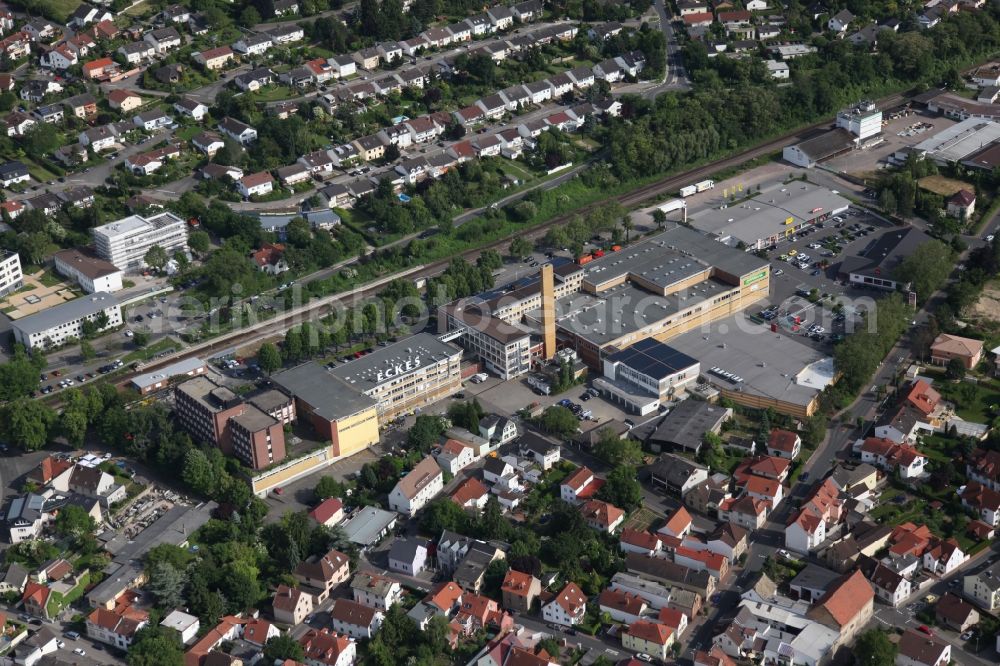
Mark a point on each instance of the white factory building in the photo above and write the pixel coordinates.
(124, 243)
(57, 325)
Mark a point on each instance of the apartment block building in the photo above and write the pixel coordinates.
(125, 242)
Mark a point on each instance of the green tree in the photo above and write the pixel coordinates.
(41, 139)
(955, 369)
(269, 358)
(926, 268)
(156, 646)
(611, 448)
(425, 432)
(156, 258)
(520, 247)
(660, 218)
(166, 583)
(198, 241)
(281, 647)
(140, 339)
(560, 421)
(622, 488)
(74, 521)
(27, 423)
(873, 648)
(327, 486)
(73, 426)
(87, 352)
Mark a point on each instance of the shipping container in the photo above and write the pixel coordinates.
(688, 190)
(585, 259)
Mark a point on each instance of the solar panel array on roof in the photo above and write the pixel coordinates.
(654, 359)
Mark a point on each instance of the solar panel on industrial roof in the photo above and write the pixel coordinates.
(653, 358)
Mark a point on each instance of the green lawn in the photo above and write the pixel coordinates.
(56, 9)
(973, 402)
(273, 94)
(186, 133)
(57, 601)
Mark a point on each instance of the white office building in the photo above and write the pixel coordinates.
(56, 325)
(11, 278)
(92, 273)
(124, 243)
(863, 120)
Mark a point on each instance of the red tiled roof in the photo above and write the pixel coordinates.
(623, 601)
(445, 595)
(640, 539)
(255, 179)
(602, 513)
(679, 521)
(846, 598)
(654, 632)
(578, 479)
(571, 598)
(470, 489)
(963, 198)
(923, 397)
(782, 440)
(517, 583)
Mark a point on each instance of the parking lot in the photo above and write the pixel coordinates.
(793, 280)
(897, 133)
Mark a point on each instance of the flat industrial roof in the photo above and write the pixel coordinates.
(955, 143)
(770, 364)
(135, 223)
(86, 262)
(886, 253)
(408, 355)
(653, 358)
(626, 309)
(180, 368)
(329, 396)
(766, 214)
(254, 420)
(57, 315)
(679, 249)
(827, 144)
(366, 525)
(208, 393)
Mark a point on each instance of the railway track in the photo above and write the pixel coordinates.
(633, 198)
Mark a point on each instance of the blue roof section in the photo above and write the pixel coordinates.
(534, 278)
(653, 358)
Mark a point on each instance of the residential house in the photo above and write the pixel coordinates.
(417, 488)
(215, 59)
(370, 148)
(745, 511)
(255, 184)
(519, 591)
(270, 258)
(947, 347)
(962, 204)
(291, 605)
(254, 45)
(163, 39)
(678, 523)
(328, 513)
(124, 100)
(191, 109)
(208, 142)
(846, 608)
(455, 456)
(471, 494)
(319, 575)
(407, 556)
(636, 541)
(238, 130)
(152, 120)
(355, 619)
(567, 608)
(322, 647)
(376, 591)
(889, 586)
(983, 500)
(955, 613)
(621, 605)
(317, 162)
(136, 52)
(579, 486)
(840, 21)
(82, 106)
(647, 637)
(919, 649)
(12, 173)
(602, 516)
(784, 444)
(255, 79)
(671, 573)
(677, 475)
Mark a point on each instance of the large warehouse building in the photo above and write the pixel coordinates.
(348, 403)
(658, 288)
(771, 216)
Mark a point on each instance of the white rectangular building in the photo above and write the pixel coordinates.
(91, 272)
(124, 243)
(11, 278)
(863, 120)
(55, 325)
